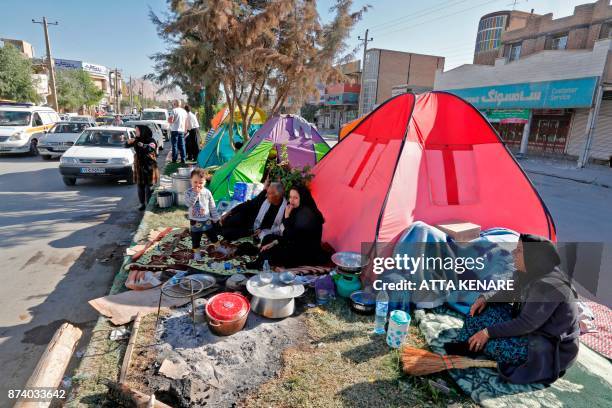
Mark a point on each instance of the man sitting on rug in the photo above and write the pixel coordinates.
(260, 216)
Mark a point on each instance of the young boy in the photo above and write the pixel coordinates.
(203, 216)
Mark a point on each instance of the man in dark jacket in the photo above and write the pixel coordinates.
(545, 311)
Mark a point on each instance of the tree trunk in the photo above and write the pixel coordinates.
(52, 365)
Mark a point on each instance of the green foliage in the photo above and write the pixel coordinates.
(308, 112)
(16, 76)
(280, 170)
(75, 89)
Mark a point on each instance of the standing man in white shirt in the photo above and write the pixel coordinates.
(178, 126)
(192, 141)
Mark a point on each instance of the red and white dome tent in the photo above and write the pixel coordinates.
(431, 158)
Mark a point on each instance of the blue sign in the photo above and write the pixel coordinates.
(347, 98)
(569, 93)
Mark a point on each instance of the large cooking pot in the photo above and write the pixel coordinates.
(227, 313)
(180, 184)
(274, 299)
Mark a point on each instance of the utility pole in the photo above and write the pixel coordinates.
(117, 107)
(365, 41)
(131, 96)
(51, 68)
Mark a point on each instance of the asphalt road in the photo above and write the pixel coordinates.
(59, 247)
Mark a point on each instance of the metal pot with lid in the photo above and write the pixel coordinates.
(273, 299)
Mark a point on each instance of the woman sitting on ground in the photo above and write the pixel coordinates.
(536, 338)
(300, 242)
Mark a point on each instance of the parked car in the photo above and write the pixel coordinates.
(99, 153)
(159, 116)
(158, 136)
(22, 124)
(60, 138)
(104, 120)
(82, 118)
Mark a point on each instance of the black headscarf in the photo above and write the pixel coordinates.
(542, 263)
(146, 136)
(307, 201)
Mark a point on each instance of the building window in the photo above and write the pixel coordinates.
(605, 31)
(558, 42)
(515, 52)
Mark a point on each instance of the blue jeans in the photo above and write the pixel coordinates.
(178, 145)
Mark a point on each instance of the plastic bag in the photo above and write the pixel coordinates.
(142, 280)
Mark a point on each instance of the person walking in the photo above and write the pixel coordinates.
(193, 135)
(117, 121)
(145, 170)
(178, 124)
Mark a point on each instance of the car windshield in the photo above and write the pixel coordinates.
(153, 115)
(14, 118)
(104, 138)
(69, 127)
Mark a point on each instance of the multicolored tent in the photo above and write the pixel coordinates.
(218, 149)
(431, 158)
(305, 147)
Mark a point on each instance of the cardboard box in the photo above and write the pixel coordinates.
(461, 231)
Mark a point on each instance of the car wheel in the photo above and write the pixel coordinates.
(45, 157)
(33, 147)
(69, 181)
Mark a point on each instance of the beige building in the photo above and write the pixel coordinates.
(385, 69)
(23, 46)
(550, 89)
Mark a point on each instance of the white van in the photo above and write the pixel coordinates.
(159, 116)
(22, 124)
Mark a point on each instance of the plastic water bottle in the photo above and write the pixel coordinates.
(382, 307)
(266, 266)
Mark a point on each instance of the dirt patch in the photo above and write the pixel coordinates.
(220, 371)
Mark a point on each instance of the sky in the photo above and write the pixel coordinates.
(119, 33)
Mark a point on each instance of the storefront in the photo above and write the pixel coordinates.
(551, 102)
(546, 109)
(340, 105)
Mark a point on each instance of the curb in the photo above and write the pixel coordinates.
(103, 323)
(577, 180)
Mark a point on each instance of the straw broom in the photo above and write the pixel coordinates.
(417, 361)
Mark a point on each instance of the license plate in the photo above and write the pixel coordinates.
(96, 170)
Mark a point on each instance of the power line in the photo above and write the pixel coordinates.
(419, 13)
(438, 18)
(417, 16)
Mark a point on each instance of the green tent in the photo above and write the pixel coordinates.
(305, 147)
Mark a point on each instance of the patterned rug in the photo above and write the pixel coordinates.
(600, 341)
(588, 383)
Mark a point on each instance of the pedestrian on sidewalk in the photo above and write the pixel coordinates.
(117, 121)
(193, 135)
(145, 170)
(178, 125)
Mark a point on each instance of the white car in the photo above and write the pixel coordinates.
(158, 135)
(159, 116)
(21, 124)
(60, 138)
(99, 152)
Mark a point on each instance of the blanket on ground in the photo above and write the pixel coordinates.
(588, 383)
(421, 240)
(601, 340)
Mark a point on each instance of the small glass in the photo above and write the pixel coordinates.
(323, 296)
